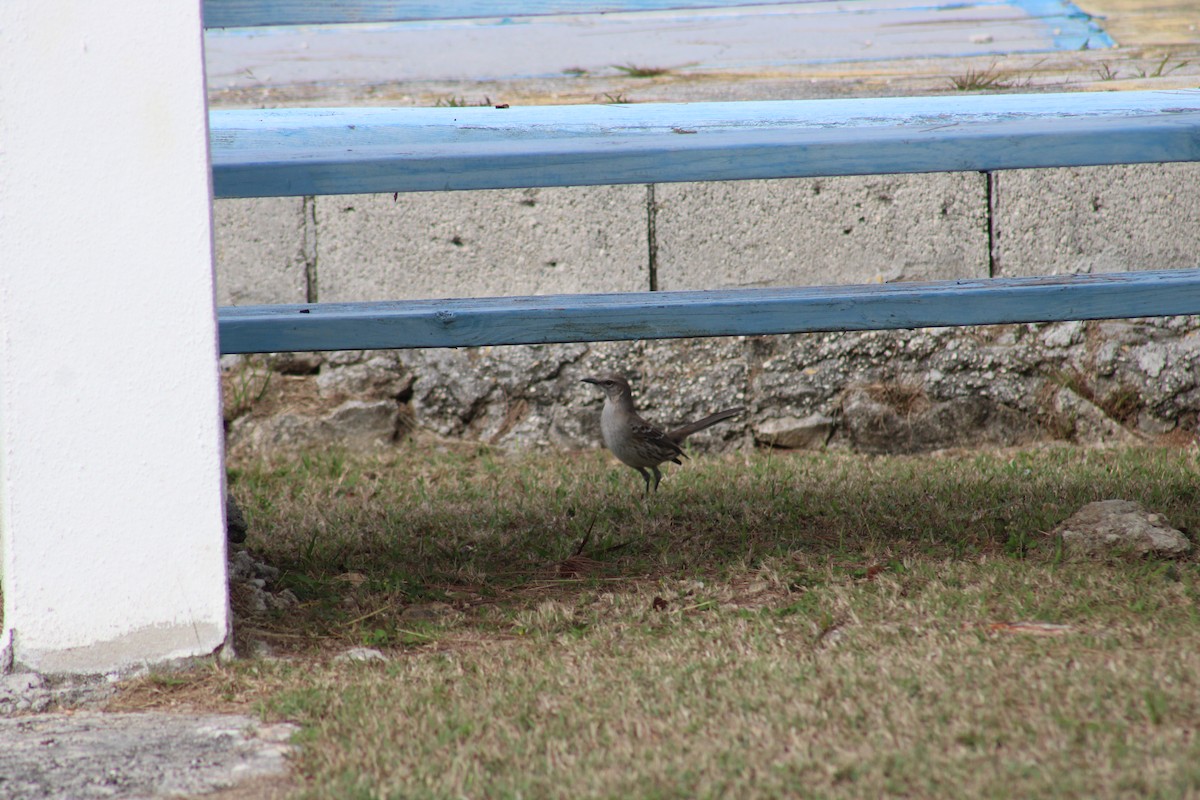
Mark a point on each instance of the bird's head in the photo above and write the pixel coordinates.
(613, 385)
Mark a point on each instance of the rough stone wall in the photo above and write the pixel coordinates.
(1103, 382)
(899, 391)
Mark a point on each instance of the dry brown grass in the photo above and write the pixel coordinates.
(814, 625)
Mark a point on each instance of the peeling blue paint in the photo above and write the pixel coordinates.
(474, 322)
(279, 152)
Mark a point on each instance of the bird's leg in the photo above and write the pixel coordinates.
(657, 479)
(646, 477)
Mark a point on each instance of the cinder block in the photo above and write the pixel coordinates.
(482, 243)
(809, 231)
(1097, 219)
(260, 250)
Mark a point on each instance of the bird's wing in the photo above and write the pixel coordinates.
(646, 431)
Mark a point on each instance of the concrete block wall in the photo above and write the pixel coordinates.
(708, 235)
(263, 250)
(821, 231)
(512, 241)
(1096, 219)
(995, 385)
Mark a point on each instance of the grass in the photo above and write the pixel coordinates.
(636, 71)
(1162, 70)
(767, 625)
(984, 80)
(453, 101)
(245, 386)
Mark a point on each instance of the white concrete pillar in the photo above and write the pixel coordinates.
(111, 482)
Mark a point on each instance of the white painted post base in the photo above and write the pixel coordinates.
(111, 478)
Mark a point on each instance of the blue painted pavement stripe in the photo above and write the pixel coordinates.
(1071, 27)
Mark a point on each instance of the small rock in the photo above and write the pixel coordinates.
(297, 363)
(377, 377)
(1151, 359)
(1063, 335)
(280, 601)
(23, 693)
(249, 582)
(1088, 422)
(362, 422)
(243, 567)
(353, 424)
(360, 654)
(355, 579)
(892, 418)
(1120, 526)
(793, 433)
(257, 648)
(235, 521)
(340, 358)
(30, 693)
(1149, 423)
(427, 612)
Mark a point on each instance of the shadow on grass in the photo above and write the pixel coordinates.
(360, 538)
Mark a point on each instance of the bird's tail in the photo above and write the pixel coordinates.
(679, 434)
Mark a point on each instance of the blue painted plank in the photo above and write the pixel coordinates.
(282, 152)
(658, 315)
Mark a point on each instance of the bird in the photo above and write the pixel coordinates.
(636, 442)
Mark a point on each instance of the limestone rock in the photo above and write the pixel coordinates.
(358, 423)
(360, 654)
(297, 363)
(353, 424)
(244, 567)
(251, 589)
(1099, 382)
(894, 418)
(23, 693)
(235, 521)
(377, 377)
(496, 394)
(810, 433)
(428, 612)
(1087, 422)
(1121, 527)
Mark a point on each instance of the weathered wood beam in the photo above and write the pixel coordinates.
(474, 322)
(283, 152)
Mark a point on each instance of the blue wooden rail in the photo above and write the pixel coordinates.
(360, 150)
(663, 315)
(285, 152)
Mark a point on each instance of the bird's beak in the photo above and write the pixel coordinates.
(589, 380)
